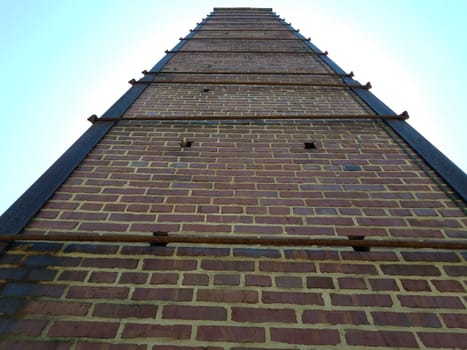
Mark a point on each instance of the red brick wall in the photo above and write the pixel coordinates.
(241, 178)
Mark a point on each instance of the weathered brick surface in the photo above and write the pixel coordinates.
(241, 177)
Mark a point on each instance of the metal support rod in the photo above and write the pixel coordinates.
(234, 82)
(349, 75)
(286, 242)
(246, 38)
(325, 53)
(240, 30)
(94, 119)
(273, 23)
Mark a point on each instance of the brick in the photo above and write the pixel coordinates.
(72, 275)
(230, 265)
(334, 317)
(381, 338)
(83, 329)
(443, 340)
(164, 278)
(33, 345)
(351, 283)
(90, 248)
(33, 290)
(260, 315)
(174, 347)
(169, 264)
(231, 334)
(138, 330)
(430, 302)
(258, 280)
(275, 266)
(398, 319)
(172, 294)
(258, 229)
(379, 284)
(47, 260)
(289, 282)
(415, 285)
(361, 300)
(87, 292)
(320, 282)
(355, 269)
(133, 278)
(227, 296)
(227, 279)
(410, 270)
(102, 226)
(430, 256)
(55, 308)
(103, 277)
(256, 253)
(299, 298)
(202, 251)
(457, 271)
(305, 336)
(107, 346)
(195, 279)
(22, 327)
(184, 312)
(122, 311)
(448, 286)
(455, 320)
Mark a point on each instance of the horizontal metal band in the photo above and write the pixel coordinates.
(164, 238)
(94, 119)
(145, 72)
(247, 38)
(235, 82)
(325, 53)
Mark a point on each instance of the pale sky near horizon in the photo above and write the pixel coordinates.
(62, 61)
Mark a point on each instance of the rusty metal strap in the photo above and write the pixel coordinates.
(367, 86)
(325, 53)
(350, 75)
(403, 116)
(267, 241)
(246, 38)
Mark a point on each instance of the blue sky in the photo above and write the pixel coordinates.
(62, 61)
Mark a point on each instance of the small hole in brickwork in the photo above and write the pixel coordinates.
(359, 248)
(159, 234)
(310, 145)
(206, 90)
(185, 143)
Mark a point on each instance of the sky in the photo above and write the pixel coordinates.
(61, 61)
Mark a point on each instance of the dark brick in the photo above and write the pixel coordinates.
(381, 338)
(320, 282)
(410, 270)
(83, 329)
(22, 327)
(361, 300)
(122, 311)
(231, 334)
(173, 294)
(256, 253)
(334, 317)
(31, 289)
(259, 315)
(292, 298)
(443, 340)
(435, 302)
(138, 330)
(398, 319)
(185, 312)
(305, 336)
